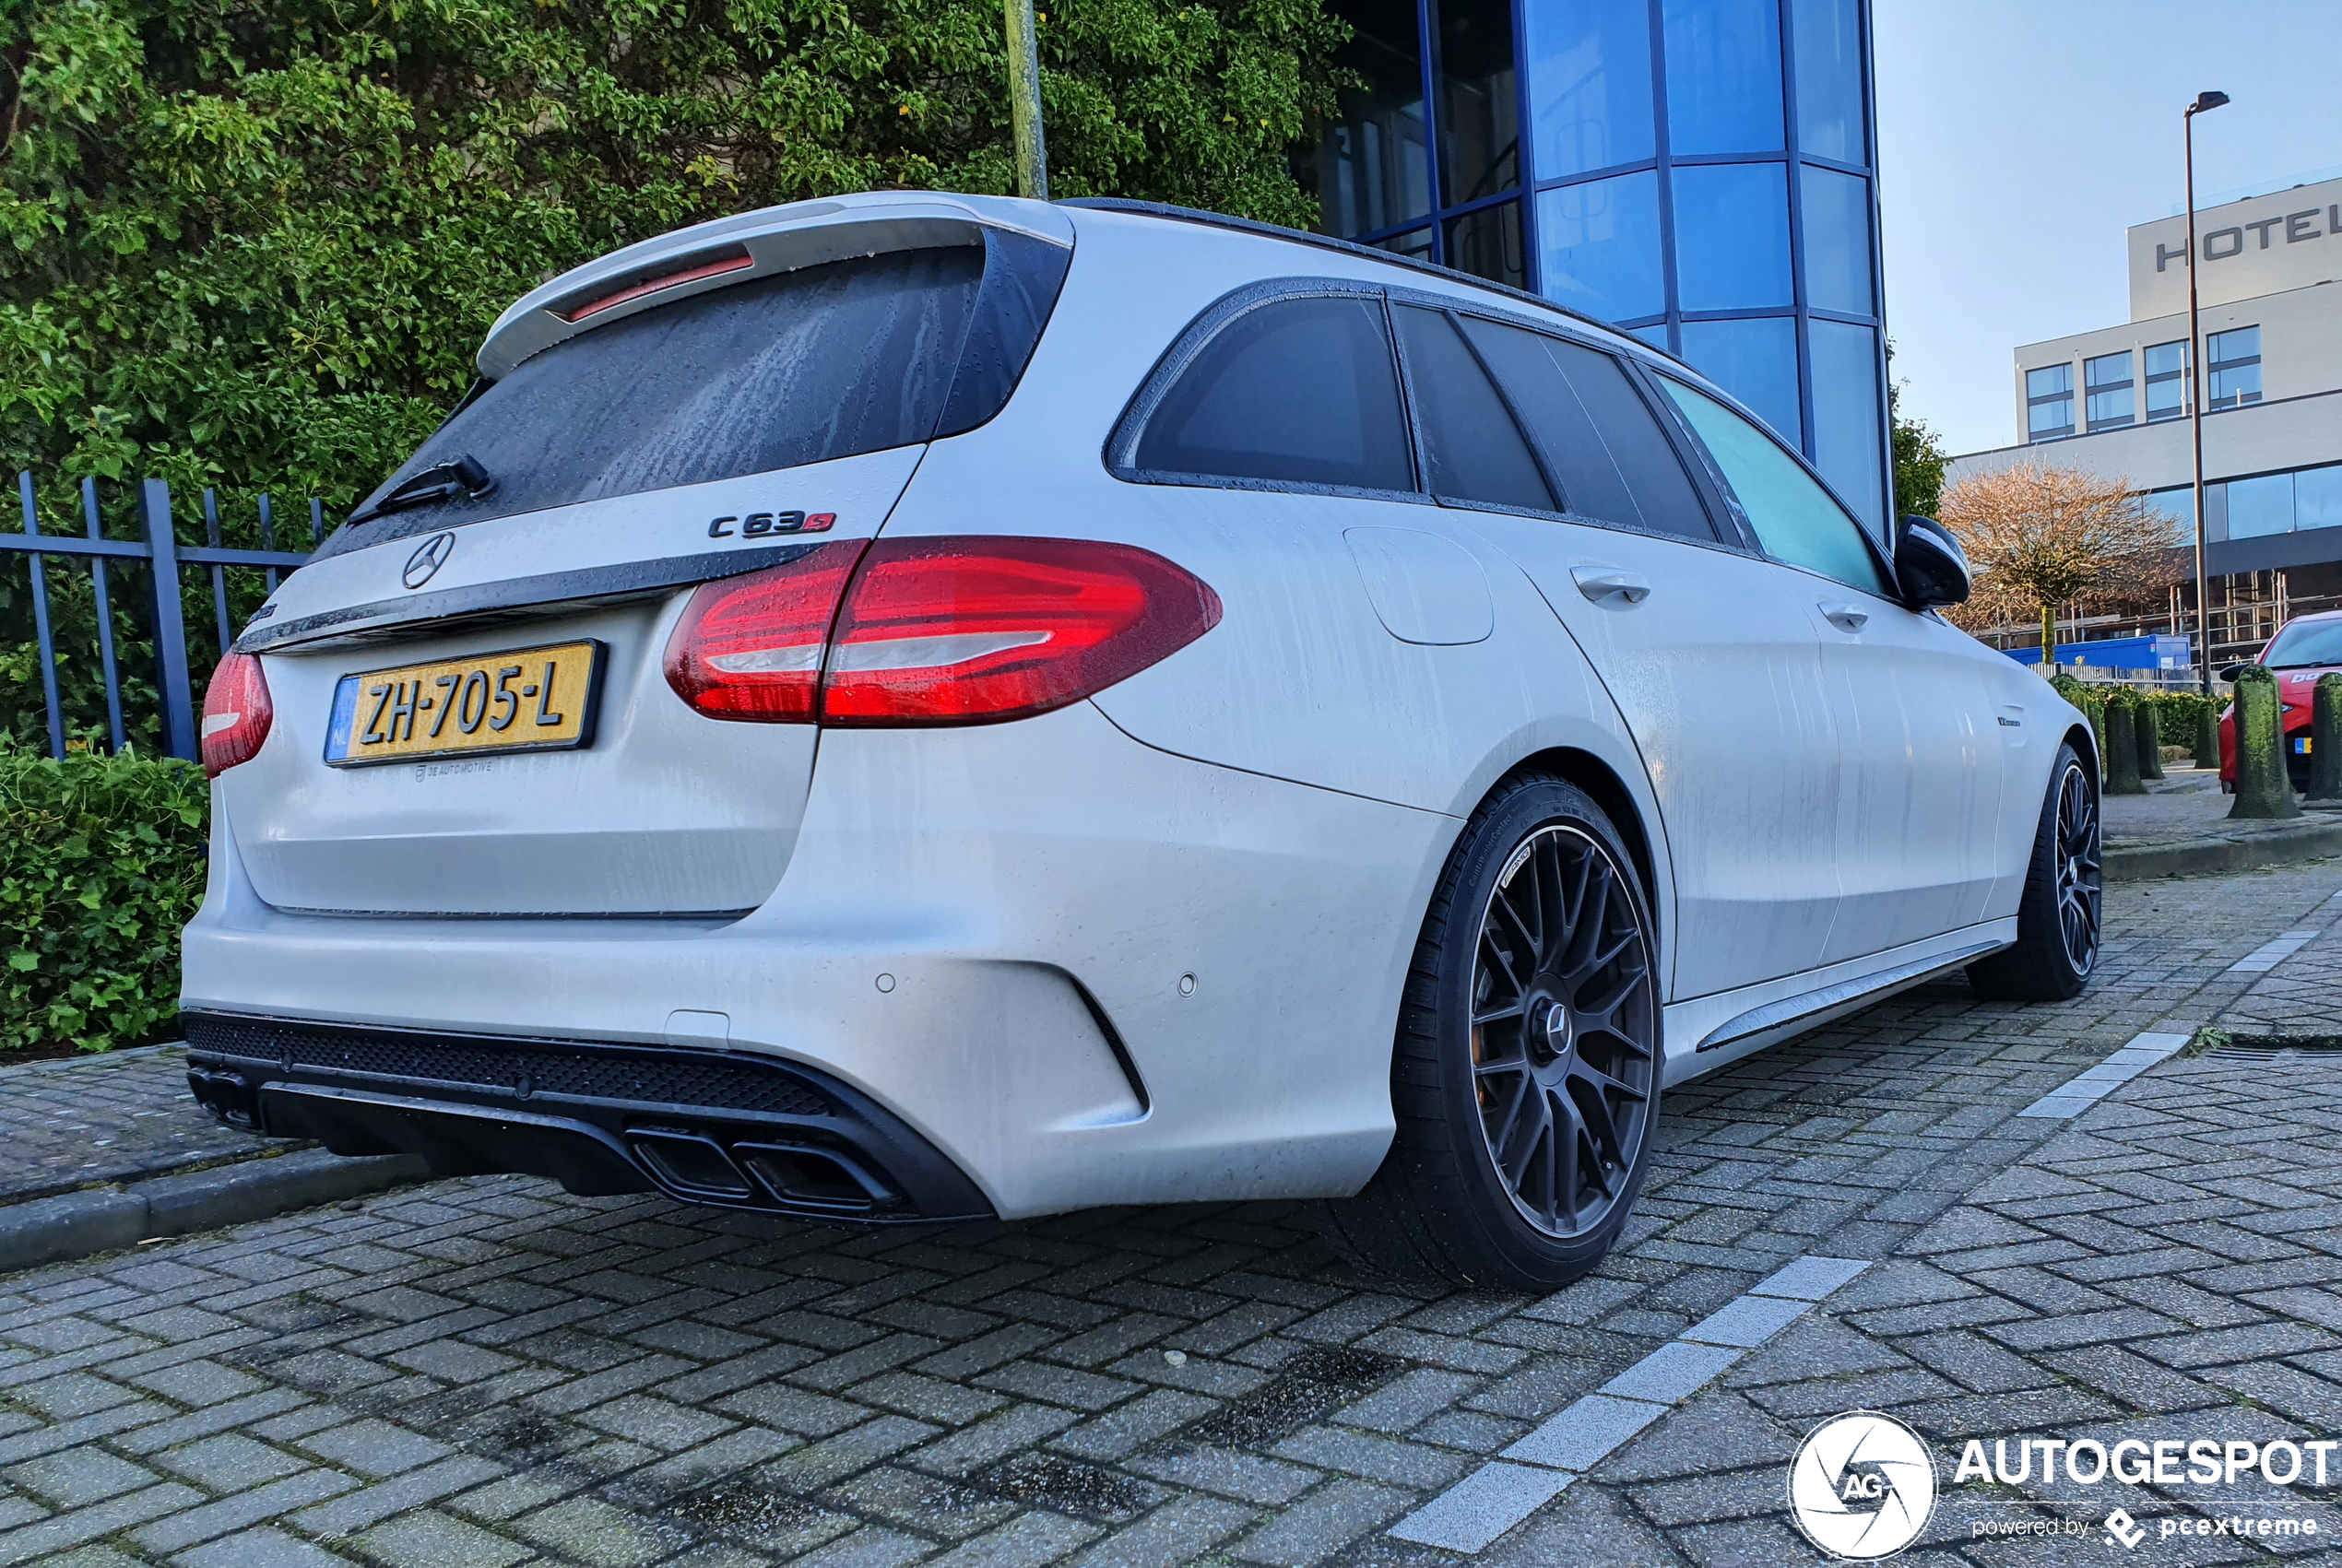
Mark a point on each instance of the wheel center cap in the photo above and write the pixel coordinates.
(1557, 1028)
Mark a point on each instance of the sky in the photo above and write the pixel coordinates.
(2018, 139)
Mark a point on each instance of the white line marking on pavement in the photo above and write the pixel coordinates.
(1482, 1507)
(2079, 1093)
(2268, 955)
(1499, 1494)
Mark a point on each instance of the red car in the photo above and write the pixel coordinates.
(2303, 649)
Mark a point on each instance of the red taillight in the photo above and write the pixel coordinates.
(933, 632)
(236, 713)
(750, 647)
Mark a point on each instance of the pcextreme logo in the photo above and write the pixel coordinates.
(1861, 1486)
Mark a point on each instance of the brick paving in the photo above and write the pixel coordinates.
(118, 1117)
(492, 1372)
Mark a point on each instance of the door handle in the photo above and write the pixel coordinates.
(1844, 616)
(1611, 588)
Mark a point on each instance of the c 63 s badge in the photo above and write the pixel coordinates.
(757, 524)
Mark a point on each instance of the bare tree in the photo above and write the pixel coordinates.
(2038, 538)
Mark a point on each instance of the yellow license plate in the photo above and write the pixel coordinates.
(525, 699)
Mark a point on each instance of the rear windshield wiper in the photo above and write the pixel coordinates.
(441, 481)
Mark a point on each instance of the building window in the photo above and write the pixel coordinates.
(2049, 403)
(1732, 236)
(1846, 407)
(1836, 235)
(1487, 243)
(1599, 247)
(1723, 76)
(1830, 81)
(1479, 103)
(2260, 506)
(2235, 361)
(1414, 244)
(1590, 86)
(1372, 169)
(2166, 381)
(2317, 498)
(2177, 508)
(2107, 382)
(1755, 360)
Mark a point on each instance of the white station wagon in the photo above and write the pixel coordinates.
(913, 708)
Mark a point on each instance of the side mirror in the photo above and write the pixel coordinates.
(1930, 566)
(2229, 672)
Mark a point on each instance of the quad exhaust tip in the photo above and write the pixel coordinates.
(797, 1177)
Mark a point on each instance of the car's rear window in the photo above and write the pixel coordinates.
(1299, 392)
(801, 367)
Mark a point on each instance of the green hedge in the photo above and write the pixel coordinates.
(101, 862)
(2176, 713)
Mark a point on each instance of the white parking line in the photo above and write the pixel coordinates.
(2268, 955)
(1530, 1473)
(2079, 1093)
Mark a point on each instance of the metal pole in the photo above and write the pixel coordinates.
(44, 643)
(171, 632)
(2192, 380)
(2196, 420)
(1024, 103)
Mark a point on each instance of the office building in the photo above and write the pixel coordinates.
(1698, 172)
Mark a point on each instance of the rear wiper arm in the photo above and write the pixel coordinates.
(441, 481)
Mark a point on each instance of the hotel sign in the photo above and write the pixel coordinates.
(2260, 246)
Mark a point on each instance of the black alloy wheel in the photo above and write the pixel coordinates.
(1526, 1067)
(2081, 880)
(2058, 914)
(1564, 1031)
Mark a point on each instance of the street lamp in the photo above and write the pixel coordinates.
(2204, 101)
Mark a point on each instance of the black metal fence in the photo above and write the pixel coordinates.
(155, 566)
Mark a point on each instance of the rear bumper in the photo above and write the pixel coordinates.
(1081, 970)
(718, 1127)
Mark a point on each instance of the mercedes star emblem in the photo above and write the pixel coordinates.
(429, 556)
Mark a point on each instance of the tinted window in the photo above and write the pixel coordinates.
(801, 367)
(1302, 391)
(1795, 518)
(1600, 439)
(1470, 444)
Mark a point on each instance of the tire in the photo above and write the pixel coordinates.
(2058, 920)
(1560, 1076)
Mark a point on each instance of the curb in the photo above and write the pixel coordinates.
(90, 1058)
(80, 1224)
(2205, 856)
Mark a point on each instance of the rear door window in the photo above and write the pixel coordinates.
(1298, 391)
(1471, 447)
(1795, 518)
(1600, 439)
(801, 367)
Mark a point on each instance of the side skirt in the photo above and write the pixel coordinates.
(1752, 1030)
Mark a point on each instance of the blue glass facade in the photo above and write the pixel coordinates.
(1698, 172)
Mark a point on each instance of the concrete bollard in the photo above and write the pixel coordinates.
(2207, 734)
(2122, 746)
(2325, 738)
(2263, 789)
(2150, 737)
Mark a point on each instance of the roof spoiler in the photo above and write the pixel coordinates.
(751, 244)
